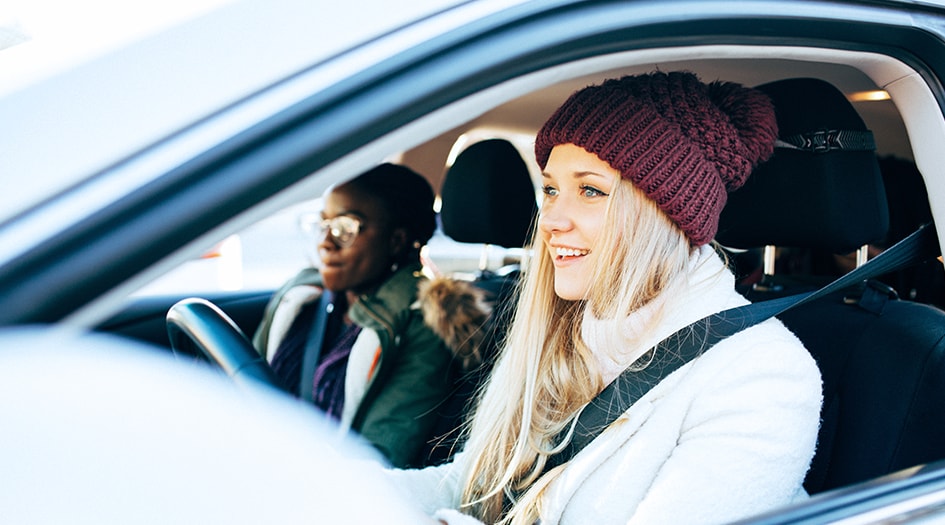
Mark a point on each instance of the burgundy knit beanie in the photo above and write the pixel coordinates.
(683, 143)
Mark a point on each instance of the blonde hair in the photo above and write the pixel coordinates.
(546, 373)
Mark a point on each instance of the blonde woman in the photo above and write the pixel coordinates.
(636, 171)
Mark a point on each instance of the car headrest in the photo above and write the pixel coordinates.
(488, 196)
(822, 188)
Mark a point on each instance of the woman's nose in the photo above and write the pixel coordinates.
(553, 217)
(324, 240)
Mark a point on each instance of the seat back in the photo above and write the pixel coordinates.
(882, 359)
(487, 198)
(883, 367)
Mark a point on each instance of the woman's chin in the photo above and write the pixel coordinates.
(570, 293)
(333, 280)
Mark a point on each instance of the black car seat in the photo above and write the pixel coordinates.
(882, 358)
(907, 200)
(487, 198)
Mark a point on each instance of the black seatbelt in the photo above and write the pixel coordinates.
(693, 340)
(313, 345)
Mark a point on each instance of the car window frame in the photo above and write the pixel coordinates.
(85, 260)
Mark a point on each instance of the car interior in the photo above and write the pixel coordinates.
(881, 358)
(881, 350)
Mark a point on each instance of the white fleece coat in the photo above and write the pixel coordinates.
(728, 435)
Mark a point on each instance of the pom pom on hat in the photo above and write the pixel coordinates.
(684, 143)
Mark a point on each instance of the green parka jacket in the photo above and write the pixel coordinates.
(401, 367)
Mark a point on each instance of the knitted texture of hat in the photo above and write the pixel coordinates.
(684, 143)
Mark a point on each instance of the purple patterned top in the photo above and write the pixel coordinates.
(328, 384)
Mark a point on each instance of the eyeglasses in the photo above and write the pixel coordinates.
(343, 229)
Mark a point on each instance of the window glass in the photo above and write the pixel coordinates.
(261, 257)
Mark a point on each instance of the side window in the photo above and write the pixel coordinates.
(261, 257)
(268, 253)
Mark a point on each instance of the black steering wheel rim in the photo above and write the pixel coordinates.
(204, 325)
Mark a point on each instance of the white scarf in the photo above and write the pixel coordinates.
(617, 343)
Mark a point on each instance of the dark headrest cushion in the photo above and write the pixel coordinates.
(822, 188)
(488, 196)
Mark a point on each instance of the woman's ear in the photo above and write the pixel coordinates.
(398, 242)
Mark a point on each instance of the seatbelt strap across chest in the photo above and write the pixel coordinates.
(313, 345)
(691, 341)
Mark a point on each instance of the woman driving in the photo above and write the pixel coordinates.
(349, 336)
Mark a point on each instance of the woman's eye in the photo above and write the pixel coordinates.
(550, 191)
(590, 191)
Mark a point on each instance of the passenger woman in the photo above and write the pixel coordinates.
(636, 171)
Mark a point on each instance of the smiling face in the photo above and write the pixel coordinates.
(367, 260)
(577, 185)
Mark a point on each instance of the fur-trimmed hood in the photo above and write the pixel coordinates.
(457, 312)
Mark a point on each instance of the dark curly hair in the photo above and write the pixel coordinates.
(406, 195)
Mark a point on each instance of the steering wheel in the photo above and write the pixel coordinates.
(200, 323)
